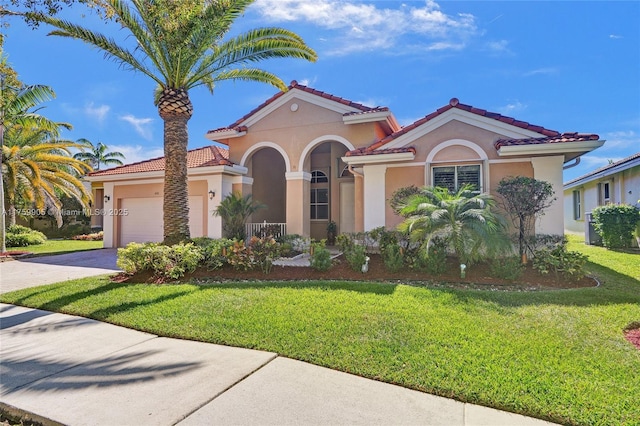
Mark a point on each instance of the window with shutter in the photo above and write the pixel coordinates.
(454, 177)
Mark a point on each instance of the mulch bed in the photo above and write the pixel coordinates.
(477, 277)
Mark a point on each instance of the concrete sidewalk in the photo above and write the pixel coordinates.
(78, 371)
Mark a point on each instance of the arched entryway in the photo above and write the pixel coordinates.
(267, 168)
(331, 193)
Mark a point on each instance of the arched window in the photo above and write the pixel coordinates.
(318, 176)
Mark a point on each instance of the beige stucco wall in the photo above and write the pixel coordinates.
(396, 178)
(293, 131)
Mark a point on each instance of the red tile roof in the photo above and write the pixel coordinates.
(295, 85)
(200, 157)
(365, 151)
(455, 103)
(565, 137)
(551, 136)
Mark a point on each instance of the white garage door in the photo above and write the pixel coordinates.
(143, 222)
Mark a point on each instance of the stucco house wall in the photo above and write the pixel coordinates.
(617, 183)
(312, 157)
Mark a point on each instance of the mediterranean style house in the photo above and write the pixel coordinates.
(617, 183)
(313, 157)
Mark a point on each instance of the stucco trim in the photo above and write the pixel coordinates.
(298, 176)
(367, 118)
(379, 158)
(322, 139)
(549, 148)
(267, 144)
(452, 142)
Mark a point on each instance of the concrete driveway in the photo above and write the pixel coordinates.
(18, 274)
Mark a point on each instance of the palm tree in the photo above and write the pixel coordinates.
(97, 154)
(179, 45)
(39, 170)
(18, 106)
(463, 219)
(234, 210)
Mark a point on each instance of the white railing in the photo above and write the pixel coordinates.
(266, 229)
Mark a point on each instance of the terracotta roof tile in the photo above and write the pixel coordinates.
(365, 151)
(565, 137)
(199, 157)
(295, 85)
(454, 103)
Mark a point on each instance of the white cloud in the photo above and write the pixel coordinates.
(357, 26)
(512, 108)
(98, 113)
(541, 71)
(142, 126)
(136, 153)
(498, 46)
(615, 36)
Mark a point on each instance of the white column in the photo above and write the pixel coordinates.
(107, 220)
(374, 196)
(214, 223)
(549, 169)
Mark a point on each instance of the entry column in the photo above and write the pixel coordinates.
(298, 205)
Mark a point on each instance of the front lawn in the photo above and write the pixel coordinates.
(558, 355)
(59, 247)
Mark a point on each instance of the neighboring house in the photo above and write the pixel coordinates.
(312, 157)
(617, 183)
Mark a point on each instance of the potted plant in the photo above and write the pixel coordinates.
(332, 229)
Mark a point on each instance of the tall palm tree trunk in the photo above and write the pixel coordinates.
(176, 109)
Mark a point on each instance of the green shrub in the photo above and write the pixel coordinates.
(264, 251)
(433, 258)
(356, 257)
(616, 223)
(508, 268)
(167, 261)
(345, 242)
(239, 256)
(21, 236)
(320, 256)
(214, 251)
(560, 261)
(393, 258)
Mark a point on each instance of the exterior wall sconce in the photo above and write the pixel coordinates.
(212, 194)
(106, 198)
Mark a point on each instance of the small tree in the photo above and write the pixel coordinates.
(525, 199)
(234, 211)
(616, 223)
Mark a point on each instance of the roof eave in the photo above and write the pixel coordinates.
(224, 134)
(379, 158)
(368, 117)
(556, 148)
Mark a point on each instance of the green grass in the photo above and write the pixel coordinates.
(59, 247)
(557, 355)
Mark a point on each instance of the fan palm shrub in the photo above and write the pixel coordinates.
(463, 219)
(235, 209)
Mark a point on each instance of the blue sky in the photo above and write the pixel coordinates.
(567, 66)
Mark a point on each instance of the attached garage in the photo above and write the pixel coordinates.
(142, 223)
